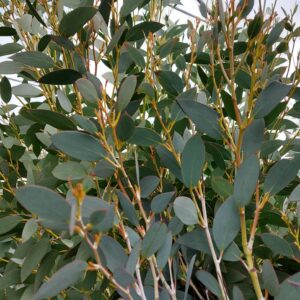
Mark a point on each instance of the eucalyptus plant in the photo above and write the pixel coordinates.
(146, 159)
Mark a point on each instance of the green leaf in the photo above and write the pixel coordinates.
(87, 90)
(135, 55)
(10, 67)
(105, 9)
(85, 123)
(237, 293)
(5, 89)
(141, 30)
(75, 20)
(62, 279)
(70, 170)
(226, 224)
(154, 239)
(35, 256)
(270, 279)
(196, 240)
(192, 161)
(253, 137)
(125, 127)
(129, 6)
(10, 48)
(245, 181)
(60, 77)
(255, 26)
(148, 184)
(145, 137)
(8, 223)
(289, 288)
(205, 118)
(164, 252)
(113, 252)
(43, 116)
(44, 203)
(243, 79)
(186, 210)
(221, 186)
(168, 160)
(64, 101)
(268, 99)
(295, 195)
(34, 59)
(7, 31)
(210, 282)
(29, 229)
(278, 245)
(116, 38)
(275, 181)
(9, 278)
(26, 90)
(133, 258)
(79, 145)
(170, 81)
(161, 201)
(128, 209)
(126, 92)
(189, 274)
(104, 169)
(275, 33)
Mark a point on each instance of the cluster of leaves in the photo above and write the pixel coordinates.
(146, 159)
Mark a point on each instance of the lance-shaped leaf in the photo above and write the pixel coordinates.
(253, 137)
(62, 279)
(126, 92)
(34, 59)
(269, 98)
(170, 81)
(205, 118)
(281, 174)
(79, 145)
(129, 6)
(146, 137)
(10, 48)
(210, 282)
(5, 89)
(192, 161)
(245, 180)
(154, 239)
(87, 90)
(128, 209)
(226, 224)
(45, 203)
(141, 30)
(74, 20)
(270, 279)
(289, 288)
(43, 116)
(60, 77)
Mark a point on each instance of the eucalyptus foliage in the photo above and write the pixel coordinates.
(146, 159)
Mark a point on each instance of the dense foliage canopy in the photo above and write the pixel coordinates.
(146, 159)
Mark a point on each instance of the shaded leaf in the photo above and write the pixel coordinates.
(210, 282)
(5, 89)
(10, 48)
(270, 279)
(154, 239)
(268, 99)
(164, 252)
(141, 30)
(143, 136)
(8, 223)
(148, 184)
(161, 201)
(87, 90)
(278, 245)
(74, 20)
(289, 288)
(170, 81)
(60, 77)
(128, 209)
(205, 118)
